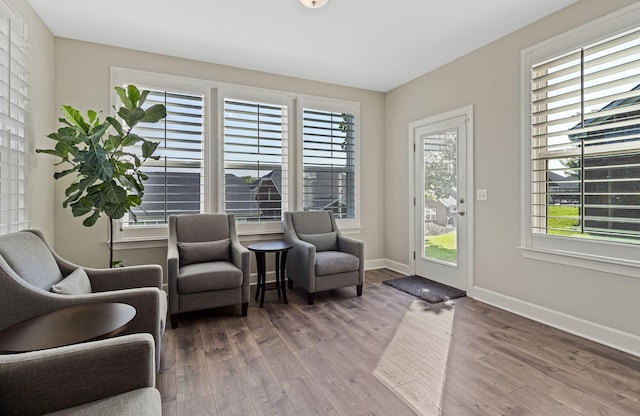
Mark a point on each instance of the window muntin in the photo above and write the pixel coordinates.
(585, 142)
(255, 157)
(14, 99)
(329, 162)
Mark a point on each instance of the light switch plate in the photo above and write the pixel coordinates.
(481, 194)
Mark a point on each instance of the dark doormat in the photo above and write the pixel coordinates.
(432, 292)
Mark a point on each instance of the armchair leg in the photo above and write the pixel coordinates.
(174, 320)
(245, 308)
(310, 298)
(359, 290)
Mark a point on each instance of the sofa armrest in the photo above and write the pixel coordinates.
(103, 280)
(45, 381)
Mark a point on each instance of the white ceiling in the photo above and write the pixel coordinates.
(372, 44)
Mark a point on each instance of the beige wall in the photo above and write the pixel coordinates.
(82, 80)
(42, 117)
(490, 80)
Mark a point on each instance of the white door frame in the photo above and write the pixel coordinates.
(466, 111)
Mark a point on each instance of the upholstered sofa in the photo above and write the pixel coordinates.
(108, 377)
(29, 268)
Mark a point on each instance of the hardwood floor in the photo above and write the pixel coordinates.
(386, 353)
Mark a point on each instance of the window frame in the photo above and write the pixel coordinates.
(272, 97)
(329, 105)
(611, 257)
(121, 76)
(215, 93)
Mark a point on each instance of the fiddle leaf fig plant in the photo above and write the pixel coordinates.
(107, 175)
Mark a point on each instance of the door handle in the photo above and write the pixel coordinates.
(461, 212)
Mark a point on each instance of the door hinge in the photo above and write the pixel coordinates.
(414, 147)
(414, 255)
(414, 201)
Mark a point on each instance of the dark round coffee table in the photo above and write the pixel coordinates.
(67, 326)
(280, 249)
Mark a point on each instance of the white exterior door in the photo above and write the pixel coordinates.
(442, 214)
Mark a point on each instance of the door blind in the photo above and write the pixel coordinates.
(329, 162)
(176, 181)
(14, 99)
(585, 151)
(255, 160)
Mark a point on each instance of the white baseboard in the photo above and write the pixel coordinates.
(601, 334)
(387, 264)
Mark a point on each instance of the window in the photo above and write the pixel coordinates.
(176, 181)
(14, 97)
(255, 159)
(228, 148)
(583, 136)
(328, 162)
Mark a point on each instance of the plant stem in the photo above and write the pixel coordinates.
(110, 243)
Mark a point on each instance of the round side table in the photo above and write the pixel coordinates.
(279, 248)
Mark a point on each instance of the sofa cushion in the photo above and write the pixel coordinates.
(333, 262)
(323, 241)
(31, 259)
(204, 251)
(76, 283)
(205, 277)
(141, 402)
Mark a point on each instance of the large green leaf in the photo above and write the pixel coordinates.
(81, 207)
(116, 211)
(113, 193)
(131, 139)
(134, 95)
(74, 118)
(123, 97)
(148, 148)
(58, 175)
(131, 116)
(91, 221)
(116, 125)
(154, 113)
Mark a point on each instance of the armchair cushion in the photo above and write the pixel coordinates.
(205, 277)
(76, 283)
(204, 251)
(334, 262)
(323, 241)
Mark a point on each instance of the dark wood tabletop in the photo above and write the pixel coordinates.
(270, 246)
(67, 326)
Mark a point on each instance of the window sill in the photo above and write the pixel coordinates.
(599, 263)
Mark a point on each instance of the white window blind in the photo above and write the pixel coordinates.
(175, 182)
(585, 124)
(329, 162)
(255, 160)
(14, 98)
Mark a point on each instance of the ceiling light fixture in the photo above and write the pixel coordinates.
(314, 4)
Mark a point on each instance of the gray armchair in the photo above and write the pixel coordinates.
(29, 268)
(207, 265)
(321, 258)
(108, 377)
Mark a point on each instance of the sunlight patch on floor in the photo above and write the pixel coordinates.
(414, 364)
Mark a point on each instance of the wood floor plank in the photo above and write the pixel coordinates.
(229, 389)
(386, 353)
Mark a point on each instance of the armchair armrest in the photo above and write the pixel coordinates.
(44, 381)
(351, 246)
(103, 280)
